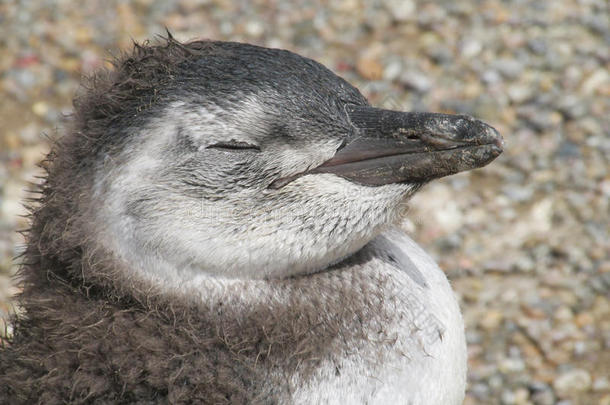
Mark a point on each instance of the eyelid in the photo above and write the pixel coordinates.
(234, 146)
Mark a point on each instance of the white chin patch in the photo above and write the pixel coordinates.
(305, 227)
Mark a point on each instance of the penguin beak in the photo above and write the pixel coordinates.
(411, 147)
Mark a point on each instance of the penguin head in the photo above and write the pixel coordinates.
(235, 161)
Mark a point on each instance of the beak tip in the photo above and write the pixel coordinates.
(500, 143)
(494, 136)
(499, 140)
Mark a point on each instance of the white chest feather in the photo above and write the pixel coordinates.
(427, 362)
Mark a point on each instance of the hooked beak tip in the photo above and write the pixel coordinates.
(495, 138)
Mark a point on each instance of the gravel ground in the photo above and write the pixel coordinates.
(525, 241)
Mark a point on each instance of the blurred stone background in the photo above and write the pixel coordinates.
(525, 241)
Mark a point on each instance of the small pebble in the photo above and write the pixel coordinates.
(576, 380)
(369, 68)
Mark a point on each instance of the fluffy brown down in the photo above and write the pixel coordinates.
(89, 336)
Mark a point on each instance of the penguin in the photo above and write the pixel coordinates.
(219, 224)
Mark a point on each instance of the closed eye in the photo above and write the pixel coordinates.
(235, 146)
